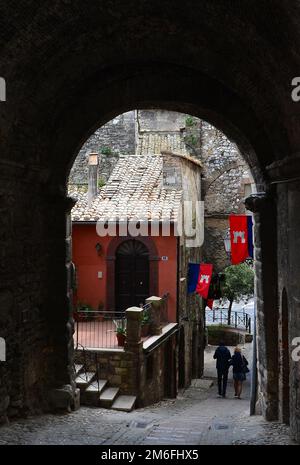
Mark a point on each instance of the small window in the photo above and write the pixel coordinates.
(247, 190)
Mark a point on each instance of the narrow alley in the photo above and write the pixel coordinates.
(196, 417)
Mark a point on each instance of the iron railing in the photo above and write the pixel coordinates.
(88, 364)
(237, 319)
(97, 329)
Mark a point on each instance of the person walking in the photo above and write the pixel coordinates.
(223, 356)
(239, 368)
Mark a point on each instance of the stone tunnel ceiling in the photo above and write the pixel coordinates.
(70, 68)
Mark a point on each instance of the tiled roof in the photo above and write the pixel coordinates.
(153, 142)
(134, 190)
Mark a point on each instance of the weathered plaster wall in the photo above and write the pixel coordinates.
(93, 290)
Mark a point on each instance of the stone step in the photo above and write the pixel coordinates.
(90, 396)
(85, 379)
(108, 396)
(124, 403)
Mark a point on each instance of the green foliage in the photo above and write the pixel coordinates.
(239, 282)
(190, 140)
(121, 330)
(190, 122)
(83, 310)
(146, 319)
(120, 325)
(101, 182)
(106, 150)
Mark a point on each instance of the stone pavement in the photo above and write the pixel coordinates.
(196, 417)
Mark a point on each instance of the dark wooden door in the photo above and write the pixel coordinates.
(132, 274)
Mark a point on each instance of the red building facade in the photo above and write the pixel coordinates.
(97, 266)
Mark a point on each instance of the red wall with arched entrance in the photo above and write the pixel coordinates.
(93, 289)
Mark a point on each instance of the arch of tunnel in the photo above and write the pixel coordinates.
(68, 70)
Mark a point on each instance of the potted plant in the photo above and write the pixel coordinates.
(82, 310)
(145, 323)
(121, 336)
(120, 330)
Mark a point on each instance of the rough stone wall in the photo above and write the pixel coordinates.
(160, 121)
(115, 366)
(191, 317)
(214, 252)
(161, 371)
(114, 138)
(225, 170)
(120, 370)
(226, 174)
(289, 269)
(22, 316)
(32, 264)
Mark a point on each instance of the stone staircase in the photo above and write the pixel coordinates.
(98, 393)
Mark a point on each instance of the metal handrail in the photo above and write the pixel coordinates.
(237, 319)
(96, 329)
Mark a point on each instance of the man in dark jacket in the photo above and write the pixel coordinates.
(223, 356)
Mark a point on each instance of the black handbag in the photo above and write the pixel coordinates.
(245, 368)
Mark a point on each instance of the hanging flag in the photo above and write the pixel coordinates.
(204, 279)
(199, 278)
(250, 236)
(241, 238)
(210, 303)
(193, 274)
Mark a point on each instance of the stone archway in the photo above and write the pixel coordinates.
(70, 77)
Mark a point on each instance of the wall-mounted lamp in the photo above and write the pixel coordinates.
(227, 243)
(98, 248)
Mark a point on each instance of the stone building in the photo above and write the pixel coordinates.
(233, 64)
(226, 176)
(133, 239)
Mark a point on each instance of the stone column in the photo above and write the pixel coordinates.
(155, 311)
(285, 175)
(265, 233)
(134, 346)
(62, 394)
(93, 177)
(133, 328)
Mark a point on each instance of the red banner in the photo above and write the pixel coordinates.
(204, 279)
(210, 303)
(238, 238)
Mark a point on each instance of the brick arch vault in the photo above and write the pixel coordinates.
(68, 70)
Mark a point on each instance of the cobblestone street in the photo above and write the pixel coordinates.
(196, 417)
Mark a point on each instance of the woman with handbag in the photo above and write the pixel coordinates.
(239, 368)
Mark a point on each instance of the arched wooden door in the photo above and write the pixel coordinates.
(131, 274)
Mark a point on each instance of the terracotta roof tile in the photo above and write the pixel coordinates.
(133, 191)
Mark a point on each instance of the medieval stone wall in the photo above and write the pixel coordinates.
(114, 138)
